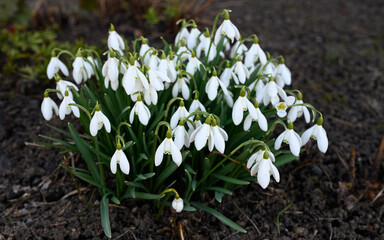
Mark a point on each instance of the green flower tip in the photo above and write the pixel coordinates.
(118, 145)
(182, 103)
(112, 28)
(53, 54)
(228, 65)
(320, 121)
(299, 96)
(139, 97)
(256, 104)
(112, 53)
(57, 77)
(193, 53)
(169, 134)
(214, 122)
(197, 118)
(206, 34)
(163, 56)
(282, 61)
(226, 14)
(182, 43)
(208, 120)
(214, 73)
(181, 122)
(268, 55)
(46, 94)
(256, 40)
(271, 79)
(243, 92)
(97, 108)
(66, 93)
(144, 41)
(290, 125)
(78, 54)
(196, 95)
(266, 155)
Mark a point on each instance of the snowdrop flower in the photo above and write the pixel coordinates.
(145, 51)
(180, 113)
(281, 107)
(226, 75)
(154, 60)
(54, 66)
(141, 110)
(193, 64)
(81, 69)
(219, 137)
(242, 104)
(264, 168)
(197, 123)
(204, 45)
(259, 117)
(282, 74)
(63, 85)
(256, 157)
(298, 111)
(227, 28)
(253, 54)
(93, 63)
(150, 95)
(196, 105)
(238, 49)
(167, 67)
(240, 72)
(289, 136)
(270, 93)
(193, 37)
(181, 85)
(213, 85)
(318, 133)
(170, 148)
(183, 53)
(110, 71)
(115, 41)
(178, 204)
(134, 80)
(48, 106)
(98, 121)
(156, 78)
(65, 107)
(182, 35)
(181, 136)
(120, 158)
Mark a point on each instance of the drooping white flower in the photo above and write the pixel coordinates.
(242, 104)
(62, 86)
(227, 28)
(298, 111)
(270, 93)
(153, 61)
(183, 53)
(120, 158)
(157, 79)
(167, 67)
(182, 35)
(282, 107)
(215, 135)
(115, 41)
(145, 51)
(264, 168)
(141, 111)
(219, 138)
(181, 85)
(193, 37)
(181, 136)
(212, 86)
(240, 72)
(150, 95)
(93, 63)
(178, 204)
(133, 78)
(238, 50)
(253, 54)
(256, 157)
(193, 65)
(226, 75)
(81, 69)
(98, 121)
(180, 113)
(170, 148)
(318, 133)
(48, 107)
(206, 46)
(282, 74)
(54, 66)
(289, 136)
(65, 107)
(196, 105)
(110, 71)
(260, 118)
(197, 123)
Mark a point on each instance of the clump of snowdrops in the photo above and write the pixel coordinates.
(173, 125)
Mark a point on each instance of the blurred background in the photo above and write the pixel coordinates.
(335, 51)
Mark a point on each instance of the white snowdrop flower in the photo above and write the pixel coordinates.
(170, 148)
(193, 38)
(181, 85)
(153, 61)
(98, 121)
(227, 28)
(141, 111)
(115, 41)
(157, 79)
(63, 85)
(229, 99)
(242, 104)
(289, 136)
(240, 72)
(193, 65)
(212, 86)
(167, 67)
(181, 136)
(268, 69)
(183, 53)
(180, 113)
(54, 66)
(318, 133)
(145, 51)
(238, 49)
(298, 111)
(197, 123)
(110, 71)
(182, 35)
(282, 74)
(253, 54)
(282, 107)
(150, 95)
(264, 168)
(93, 63)
(226, 75)
(219, 137)
(132, 78)
(256, 157)
(65, 107)
(226, 45)
(48, 107)
(178, 204)
(205, 42)
(196, 105)
(201, 135)
(120, 158)
(270, 93)
(81, 69)
(259, 118)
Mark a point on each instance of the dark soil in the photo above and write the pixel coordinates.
(335, 52)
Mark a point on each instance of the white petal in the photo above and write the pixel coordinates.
(159, 154)
(113, 163)
(107, 124)
(275, 172)
(307, 135)
(262, 120)
(279, 140)
(263, 175)
(322, 140)
(219, 140)
(176, 154)
(124, 164)
(237, 112)
(202, 136)
(93, 125)
(247, 123)
(294, 144)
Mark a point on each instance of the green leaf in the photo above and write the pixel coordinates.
(165, 174)
(144, 176)
(219, 196)
(104, 214)
(142, 195)
(284, 159)
(219, 189)
(229, 179)
(219, 216)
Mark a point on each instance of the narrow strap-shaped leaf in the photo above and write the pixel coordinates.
(219, 216)
(64, 143)
(229, 179)
(104, 214)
